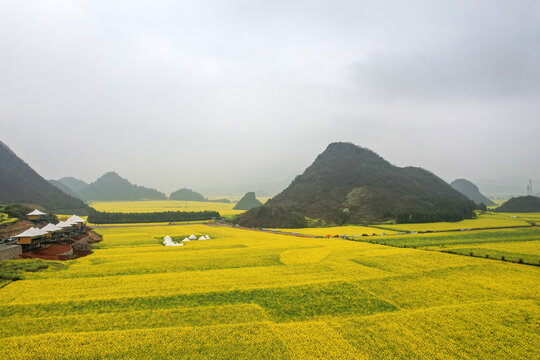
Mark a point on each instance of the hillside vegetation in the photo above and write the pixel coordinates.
(348, 184)
(520, 204)
(471, 191)
(19, 183)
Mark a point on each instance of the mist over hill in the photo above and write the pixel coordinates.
(471, 191)
(19, 183)
(73, 183)
(261, 188)
(506, 186)
(350, 184)
(112, 187)
(64, 188)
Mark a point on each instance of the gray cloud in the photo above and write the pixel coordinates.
(212, 94)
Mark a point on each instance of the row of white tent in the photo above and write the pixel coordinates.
(49, 228)
(168, 241)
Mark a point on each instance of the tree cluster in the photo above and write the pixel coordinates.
(98, 217)
(440, 211)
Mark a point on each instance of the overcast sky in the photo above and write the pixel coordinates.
(208, 94)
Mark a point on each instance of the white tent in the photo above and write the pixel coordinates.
(202, 238)
(167, 238)
(208, 237)
(32, 232)
(70, 221)
(63, 224)
(185, 239)
(50, 228)
(36, 212)
(76, 219)
(41, 231)
(168, 242)
(192, 237)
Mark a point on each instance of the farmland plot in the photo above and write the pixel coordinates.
(256, 295)
(484, 221)
(517, 245)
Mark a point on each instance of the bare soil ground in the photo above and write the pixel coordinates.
(52, 252)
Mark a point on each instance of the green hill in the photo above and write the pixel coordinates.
(19, 183)
(471, 191)
(186, 195)
(248, 202)
(112, 187)
(350, 184)
(521, 204)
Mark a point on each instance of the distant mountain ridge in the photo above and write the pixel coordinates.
(64, 188)
(112, 187)
(354, 185)
(19, 183)
(185, 194)
(471, 191)
(74, 184)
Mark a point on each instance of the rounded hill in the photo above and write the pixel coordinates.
(471, 191)
(521, 204)
(350, 184)
(248, 202)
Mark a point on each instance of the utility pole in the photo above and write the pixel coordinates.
(529, 187)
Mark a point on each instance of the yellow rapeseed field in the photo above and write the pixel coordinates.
(164, 205)
(484, 221)
(256, 295)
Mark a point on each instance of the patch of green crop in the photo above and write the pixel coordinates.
(15, 269)
(293, 303)
(453, 238)
(496, 254)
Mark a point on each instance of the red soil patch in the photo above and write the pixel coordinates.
(52, 252)
(94, 238)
